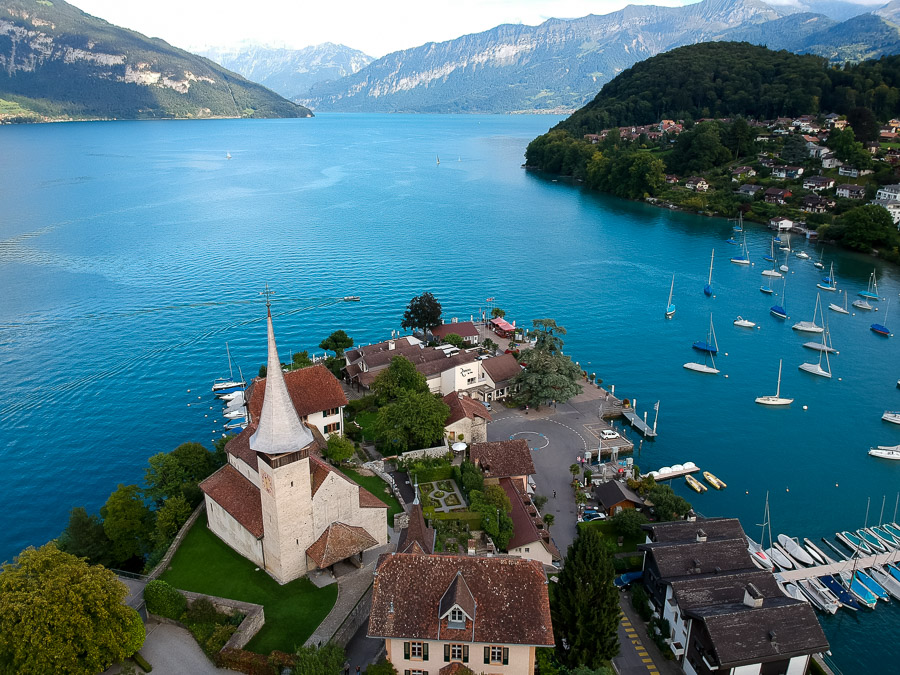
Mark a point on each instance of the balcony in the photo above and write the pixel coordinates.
(676, 647)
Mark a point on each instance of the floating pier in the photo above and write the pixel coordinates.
(842, 566)
(680, 472)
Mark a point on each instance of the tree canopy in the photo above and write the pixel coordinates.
(422, 313)
(127, 522)
(337, 342)
(584, 604)
(84, 537)
(60, 615)
(866, 227)
(399, 377)
(415, 420)
(494, 506)
(339, 449)
(666, 504)
(546, 377)
(546, 334)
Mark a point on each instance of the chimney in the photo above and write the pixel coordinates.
(752, 596)
(391, 345)
(701, 535)
(471, 547)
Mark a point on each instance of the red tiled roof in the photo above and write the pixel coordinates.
(498, 459)
(502, 368)
(338, 542)
(239, 446)
(511, 602)
(238, 496)
(464, 406)
(463, 329)
(416, 535)
(525, 530)
(312, 390)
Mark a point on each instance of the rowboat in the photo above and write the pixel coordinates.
(717, 483)
(694, 484)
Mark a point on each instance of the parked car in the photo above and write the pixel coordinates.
(609, 433)
(588, 517)
(487, 405)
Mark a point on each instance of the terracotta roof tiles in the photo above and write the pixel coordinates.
(338, 542)
(312, 390)
(502, 458)
(238, 496)
(463, 329)
(464, 406)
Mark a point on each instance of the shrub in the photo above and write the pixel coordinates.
(244, 662)
(359, 405)
(641, 602)
(142, 662)
(220, 635)
(202, 610)
(163, 600)
(136, 635)
(383, 667)
(627, 522)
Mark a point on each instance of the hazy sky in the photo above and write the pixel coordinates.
(376, 28)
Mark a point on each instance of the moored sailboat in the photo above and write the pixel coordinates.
(810, 326)
(871, 292)
(837, 308)
(777, 399)
(816, 368)
(710, 345)
(707, 290)
(879, 328)
(670, 308)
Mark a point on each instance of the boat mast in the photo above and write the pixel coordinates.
(712, 332)
(230, 369)
(778, 388)
(881, 518)
(656, 418)
(711, 258)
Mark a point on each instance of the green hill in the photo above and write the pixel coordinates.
(58, 62)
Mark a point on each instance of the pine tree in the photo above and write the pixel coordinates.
(585, 604)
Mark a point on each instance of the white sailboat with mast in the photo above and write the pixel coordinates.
(777, 399)
(828, 283)
(816, 368)
(707, 290)
(670, 308)
(837, 308)
(223, 384)
(810, 326)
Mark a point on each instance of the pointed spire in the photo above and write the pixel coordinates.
(416, 489)
(279, 430)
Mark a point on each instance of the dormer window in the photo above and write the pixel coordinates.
(457, 618)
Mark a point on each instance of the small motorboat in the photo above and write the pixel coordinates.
(717, 483)
(694, 484)
(744, 323)
(796, 551)
(231, 396)
(814, 591)
(891, 416)
(853, 542)
(758, 555)
(765, 289)
(886, 452)
(803, 255)
(784, 268)
(351, 298)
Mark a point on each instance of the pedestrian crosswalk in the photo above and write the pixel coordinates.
(636, 644)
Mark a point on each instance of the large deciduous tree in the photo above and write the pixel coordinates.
(339, 448)
(337, 342)
(422, 313)
(414, 420)
(865, 227)
(84, 537)
(127, 523)
(666, 504)
(60, 615)
(585, 604)
(399, 377)
(169, 518)
(546, 335)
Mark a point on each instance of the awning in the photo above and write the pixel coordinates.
(502, 324)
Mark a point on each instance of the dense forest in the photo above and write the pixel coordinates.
(57, 61)
(726, 79)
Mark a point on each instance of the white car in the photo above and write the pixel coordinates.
(609, 433)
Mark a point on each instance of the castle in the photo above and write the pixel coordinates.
(277, 503)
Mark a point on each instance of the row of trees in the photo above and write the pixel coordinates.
(337, 342)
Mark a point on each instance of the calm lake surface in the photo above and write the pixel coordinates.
(131, 252)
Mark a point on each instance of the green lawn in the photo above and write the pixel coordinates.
(378, 488)
(608, 532)
(204, 564)
(366, 420)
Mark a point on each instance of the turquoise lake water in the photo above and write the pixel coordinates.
(131, 252)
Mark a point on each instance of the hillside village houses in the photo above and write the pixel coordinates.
(275, 501)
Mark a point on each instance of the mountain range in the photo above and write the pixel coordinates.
(290, 72)
(56, 62)
(561, 64)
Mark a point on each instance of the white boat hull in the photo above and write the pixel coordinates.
(774, 400)
(701, 368)
(886, 453)
(862, 304)
(807, 327)
(772, 273)
(838, 309)
(744, 323)
(819, 347)
(814, 369)
(795, 550)
(890, 416)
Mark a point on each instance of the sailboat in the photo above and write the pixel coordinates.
(837, 308)
(744, 257)
(776, 399)
(819, 262)
(816, 368)
(828, 283)
(702, 367)
(784, 267)
(879, 328)
(767, 558)
(766, 289)
(779, 311)
(771, 257)
(871, 293)
(223, 384)
(862, 304)
(710, 344)
(787, 245)
(810, 326)
(825, 345)
(707, 290)
(670, 308)
(438, 159)
(227, 155)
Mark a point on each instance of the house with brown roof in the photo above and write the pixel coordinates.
(818, 183)
(416, 537)
(816, 204)
(775, 195)
(697, 184)
(614, 496)
(465, 329)
(468, 418)
(499, 372)
(276, 502)
(316, 394)
(503, 459)
(850, 191)
(435, 611)
(530, 539)
(725, 614)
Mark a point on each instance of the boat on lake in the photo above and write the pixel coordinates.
(871, 292)
(717, 483)
(862, 304)
(886, 451)
(779, 311)
(891, 416)
(828, 283)
(694, 484)
(758, 555)
(847, 600)
(779, 558)
(816, 368)
(795, 550)
(883, 534)
(777, 398)
(810, 326)
(819, 596)
(825, 345)
(707, 290)
(228, 384)
(744, 323)
(351, 298)
(871, 540)
(743, 258)
(853, 542)
(771, 257)
(886, 581)
(766, 289)
(819, 264)
(235, 414)
(803, 255)
(837, 308)
(879, 328)
(872, 585)
(710, 344)
(670, 308)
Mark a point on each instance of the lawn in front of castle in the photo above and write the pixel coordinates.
(205, 564)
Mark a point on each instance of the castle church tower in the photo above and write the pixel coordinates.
(282, 444)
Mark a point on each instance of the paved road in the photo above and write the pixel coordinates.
(362, 650)
(555, 446)
(638, 655)
(172, 650)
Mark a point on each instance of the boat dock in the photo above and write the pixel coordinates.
(610, 406)
(675, 473)
(842, 566)
(640, 424)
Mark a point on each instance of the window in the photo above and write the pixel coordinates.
(496, 655)
(456, 652)
(527, 549)
(330, 412)
(457, 616)
(332, 428)
(415, 650)
(471, 380)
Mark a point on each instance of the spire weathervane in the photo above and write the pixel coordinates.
(268, 293)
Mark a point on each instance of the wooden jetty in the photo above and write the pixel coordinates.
(645, 429)
(842, 566)
(681, 473)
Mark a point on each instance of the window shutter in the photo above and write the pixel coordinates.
(406, 651)
(506, 656)
(465, 653)
(405, 672)
(487, 654)
(447, 653)
(424, 651)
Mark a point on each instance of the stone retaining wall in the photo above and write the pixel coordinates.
(176, 542)
(377, 467)
(254, 617)
(437, 451)
(356, 618)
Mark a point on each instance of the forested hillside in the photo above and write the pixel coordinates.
(58, 62)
